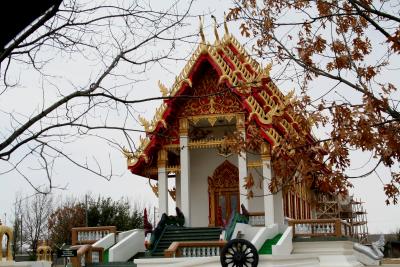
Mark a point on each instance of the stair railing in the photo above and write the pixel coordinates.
(237, 218)
(155, 245)
(194, 249)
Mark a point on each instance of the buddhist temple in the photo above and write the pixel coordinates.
(222, 194)
(220, 91)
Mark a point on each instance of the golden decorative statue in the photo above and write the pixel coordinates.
(44, 252)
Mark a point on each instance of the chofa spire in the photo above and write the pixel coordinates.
(203, 38)
(215, 28)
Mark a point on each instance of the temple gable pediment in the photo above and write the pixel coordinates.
(219, 83)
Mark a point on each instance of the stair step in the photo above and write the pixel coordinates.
(190, 232)
(194, 237)
(183, 239)
(112, 264)
(173, 234)
(158, 254)
(193, 233)
(192, 228)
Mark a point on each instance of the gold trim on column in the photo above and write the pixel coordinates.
(265, 151)
(240, 122)
(168, 169)
(172, 147)
(254, 164)
(162, 158)
(183, 126)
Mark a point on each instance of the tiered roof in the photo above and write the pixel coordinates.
(260, 98)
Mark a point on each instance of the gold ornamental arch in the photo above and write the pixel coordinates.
(8, 232)
(223, 185)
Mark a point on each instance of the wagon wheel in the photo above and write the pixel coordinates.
(240, 253)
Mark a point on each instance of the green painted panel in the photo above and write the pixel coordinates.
(267, 246)
(105, 256)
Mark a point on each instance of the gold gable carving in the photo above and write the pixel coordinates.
(219, 100)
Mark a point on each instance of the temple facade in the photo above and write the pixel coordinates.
(212, 138)
(220, 92)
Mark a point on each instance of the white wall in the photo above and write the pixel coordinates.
(124, 234)
(263, 234)
(106, 242)
(203, 163)
(128, 247)
(257, 202)
(285, 244)
(248, 232)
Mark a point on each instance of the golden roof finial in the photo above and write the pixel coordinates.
(163, 89)
(215, 28)
(145, 123)
(127, 153)
(288, 98)
(267, 69)
(203, 38)
(225, 25)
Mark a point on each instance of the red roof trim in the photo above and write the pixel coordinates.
(259, 99)
(263, 134)
(227, 60)
(279, 127)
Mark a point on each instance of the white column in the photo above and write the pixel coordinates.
(178, 190)
(162, 191)
(185, 170)
(268, 197)
(242, 162)
(273, 203)
(279, 216)
(242, 165)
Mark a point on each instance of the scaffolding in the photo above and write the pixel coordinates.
(359, 221)
(346, 208)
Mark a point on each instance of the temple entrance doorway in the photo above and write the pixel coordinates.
(223, 192)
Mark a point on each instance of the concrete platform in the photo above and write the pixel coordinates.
(25, 264)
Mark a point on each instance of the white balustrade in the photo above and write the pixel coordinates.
(199, 251)
(255, 220)
(315, 228)
(321, 227)
(92, 235)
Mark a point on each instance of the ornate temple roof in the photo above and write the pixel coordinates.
(260, 98)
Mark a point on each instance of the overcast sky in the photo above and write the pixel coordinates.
(381, 218)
